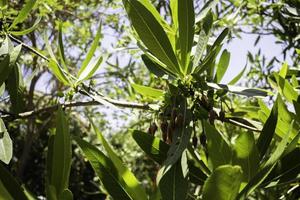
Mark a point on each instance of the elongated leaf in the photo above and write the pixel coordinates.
(10, 184)
(268, 131)
(153, 67)
(5, 144)
(207, 7)
(92, 50)
(220, 38)
(246, 155)
(89, 71)
(238, 77)
(5, 69)
(255, 182)
(2, 89)
(15, 89)
(152, 146)
(105, 170)
(201, 46)
(223, 184)
(219, 152)
(3, 3)
(186, 21)
(151, 33)
(174, 12)
(277, 154)
(286, 89)
(59, 155)
(61, 50)
(4, 193)
(250, 92)
(23, 13)
(222, 66)
(133, 186)
(174, 184)
(57, 71)
(148, 91)
(29, 30)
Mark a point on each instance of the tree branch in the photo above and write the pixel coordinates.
(28, 114)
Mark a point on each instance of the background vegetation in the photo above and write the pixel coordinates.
(125, 100)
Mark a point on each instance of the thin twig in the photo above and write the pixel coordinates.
(28, 114)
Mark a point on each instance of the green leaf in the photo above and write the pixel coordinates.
(201, 46)
(61, 50)
(5, 144)
(4, 193)
(283, 71)
(280, 148)
(153, 67)
(186, 21)
(148, 91)
(255, 182)
(23, 13)
(207, 7)
(246, 155)
(90, 70)
(268, 131)
(15, 88)
(57, 71)
(2, 89)
(29, 30)
(223, 184)
(60, 155)
(66, 195)
(238, 77)
(219, 151)
(250, 92)
(132, 185)
(92, 50)
(3, 3)
(174, 12)
(10, 184)
(222, 66)
(152, 34)
(220, 38)
(103, 166)
(155, 148)
(174, 184)
(286, 89)
(5, 69)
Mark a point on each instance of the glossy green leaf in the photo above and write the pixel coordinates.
(201, 46)
(151, 33)
(91, 52)
(2, 89)
(61, 50)
(11, 185)
(250, 92)
(246, 155)
(29, 30)
(219, 151)
(5, 144)
(238, 77)
(255, 182)
(268, 131)
(59, 155)
(90, 69)
(186, 21)
(23, 13)
(148, 91)
(174, 12)
(5, 69)
(174, 184)
(66, 195)
(286, 89)
(207, 7)
(153, 67)
(104, 168)
(155, 148)
(220, 38)
(283, 71)
(4, 193)
(222, 66)
(132, 185)
(57, 71)
(280, 148)
(15, 88)
(223, 184)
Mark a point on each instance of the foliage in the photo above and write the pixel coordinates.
(204, 140)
